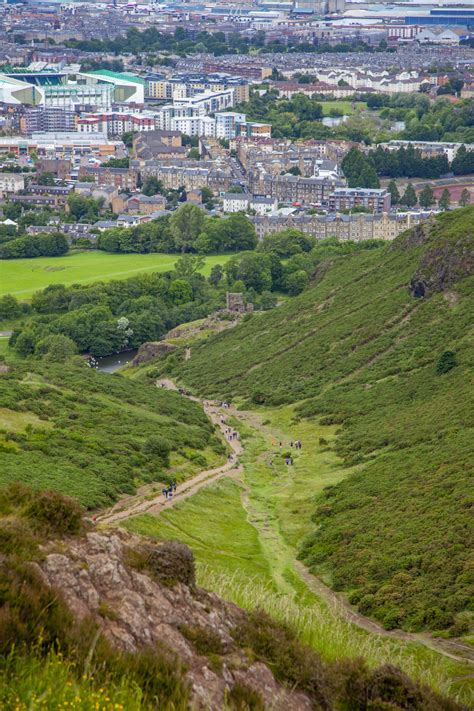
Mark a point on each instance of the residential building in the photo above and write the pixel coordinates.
(11, 183)
(294, 189)
(242, 202)
(376, 200)
(355, 227)
(235, 202)
(429, 149)
(120, 178)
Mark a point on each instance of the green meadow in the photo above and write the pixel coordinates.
(22, 277)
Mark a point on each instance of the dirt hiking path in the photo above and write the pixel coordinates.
(132, 506)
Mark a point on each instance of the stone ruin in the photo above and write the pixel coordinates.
(235, 303)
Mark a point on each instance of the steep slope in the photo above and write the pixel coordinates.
(110, 612)
(382, 345)
(96, 436)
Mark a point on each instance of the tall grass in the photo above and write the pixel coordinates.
(333, 637)
(36, 683)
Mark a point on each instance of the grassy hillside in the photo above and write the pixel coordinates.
(22, 277)
(96, 436)
(358, 350)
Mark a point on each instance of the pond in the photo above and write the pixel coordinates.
(112, 363)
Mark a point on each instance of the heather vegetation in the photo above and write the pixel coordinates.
(96, 437)
(361, 351)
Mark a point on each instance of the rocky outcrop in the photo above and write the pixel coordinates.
(106, 576)
(150, 350)
(443, 264)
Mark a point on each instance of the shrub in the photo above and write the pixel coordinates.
(359, 689)
(291, 661)
(446, 362)
(258, 397)
(243, 698)
(204, 640)
(171, 563)
(55, 514)
(156, 446)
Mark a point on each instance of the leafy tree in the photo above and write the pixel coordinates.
(287, 242)
(180, 292)
(444, 200)
(9, 307)
(409, 196)
(189, 264)
(127, 138)
(425, 197)
(157, 446)
(253, 270)
(25, 343)
(56, 347)
(152, 186)
(267, 301)
(463, 162)
(194, 154)
(296, 282)
(394, 194)
(214, 277)
(368, 177)
(83, 208)
(45, 179)
(186, 224)
(465, 198)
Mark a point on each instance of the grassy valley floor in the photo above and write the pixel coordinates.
(248, 554)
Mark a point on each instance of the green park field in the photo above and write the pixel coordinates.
(22, 277)
(346, 107)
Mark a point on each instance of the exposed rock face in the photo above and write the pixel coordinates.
(150, 350)
(442, 265)
(447, 257)
(135, 610)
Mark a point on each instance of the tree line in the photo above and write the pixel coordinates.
(188, 229)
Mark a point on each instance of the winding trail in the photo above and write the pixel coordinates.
(132, 506)
(154, 504)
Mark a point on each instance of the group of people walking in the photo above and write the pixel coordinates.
(168, 491)
(288, 457)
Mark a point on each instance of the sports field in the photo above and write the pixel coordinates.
(22, 277)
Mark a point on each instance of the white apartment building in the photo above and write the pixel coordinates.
(11, 183)
(241, 202)
(235, 202)
(209, 101)
(195, 126)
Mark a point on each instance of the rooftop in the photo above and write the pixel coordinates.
(117, 75)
